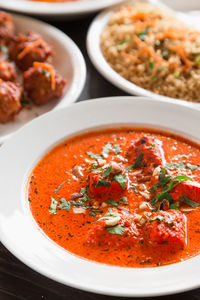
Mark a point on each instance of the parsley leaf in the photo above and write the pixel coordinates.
(106, 150)
(159, 218)
(46, 73)
(179, 165)
(55, 191)
(106, 172)
(192, 167)
(92, 214)
(134, 188)
(85, 197)
(121, 179)
(53, 206)
(113, 202)
(125, 41)
(136, 164)
(167, 184)
(176, 157)
(93, 155)
(188, 201)
(102, 182)
(174, 205)
(124, 199)
(65, 204)
(143, 34)
(117, 149)
(4, 49)
(117, 229)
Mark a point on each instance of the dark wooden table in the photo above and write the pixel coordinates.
(17, 281)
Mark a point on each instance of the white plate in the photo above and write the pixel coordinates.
(97, 58)
(19, 232)
(69, 62)
(65, 10)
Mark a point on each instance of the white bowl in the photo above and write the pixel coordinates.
(18, 230)
(69, 62)
(64, 10)
(98, 60)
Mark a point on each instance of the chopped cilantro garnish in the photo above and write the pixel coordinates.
(117, 149)
(134, 188)
(176, 157)
(174, 205)
(113, 202)
(93, 155)
(136, 164)
(117, 229)
(46, 73)
(106, 150)
(178, 165)
(121, 179)
(167, 184)
(192, 167)
(92, 214)
(85, 195)
(151, 65)
(159, 218)
(64, 204)
(102, 182)
(124, 199)
(55, 191)
(143, 34)
(176, 75)
(125, 41)
(188, 201)
(53, 206)
(106, 172)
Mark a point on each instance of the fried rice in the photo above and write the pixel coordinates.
(153, 49)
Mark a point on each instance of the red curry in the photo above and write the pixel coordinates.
(127, 197)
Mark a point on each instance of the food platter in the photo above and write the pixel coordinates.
(18, 230)
(73, 69)
(96, 55)
(68, 10)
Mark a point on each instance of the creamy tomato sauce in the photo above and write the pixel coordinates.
(93, 196)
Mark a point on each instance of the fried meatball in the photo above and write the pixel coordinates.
(39, 85)
(10, 95)
(30, 47)
(7, 28)
(7, 71)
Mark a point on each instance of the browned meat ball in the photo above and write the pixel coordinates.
(26, 49)
(7, 28)
(10, 95)
(39, 85)
(7, 71)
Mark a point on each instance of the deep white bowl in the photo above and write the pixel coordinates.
(18, 230)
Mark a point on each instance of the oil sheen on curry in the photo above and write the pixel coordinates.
(127, 197)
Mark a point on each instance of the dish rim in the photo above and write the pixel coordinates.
(102, 66)
(80, 7)
(62, 113)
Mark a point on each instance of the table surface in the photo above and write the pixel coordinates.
(17, 281)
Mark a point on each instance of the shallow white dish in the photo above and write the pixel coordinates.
(18, 230)
(97, 58)
(65, 10)
(69, 62)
